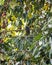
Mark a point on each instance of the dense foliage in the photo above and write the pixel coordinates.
(25, 32)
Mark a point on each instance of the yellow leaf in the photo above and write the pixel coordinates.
(9, 21)
(13, 18)
(6, 39)
(13, 33)
(22, 20)
(16, 49)
(29, 15)
(10, 27)
(46, 6)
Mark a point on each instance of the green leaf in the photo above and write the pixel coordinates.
(2, 2)
(38, 37)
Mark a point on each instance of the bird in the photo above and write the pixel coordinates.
(27, 30)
